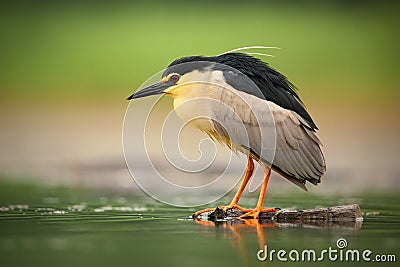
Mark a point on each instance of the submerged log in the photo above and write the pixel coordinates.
(338, 213)
(345, 213)
(345, 218)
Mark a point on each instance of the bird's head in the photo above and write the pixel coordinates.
(180, 71)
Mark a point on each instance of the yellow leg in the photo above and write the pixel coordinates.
(246, 179)
(259, 208)
(235, 200)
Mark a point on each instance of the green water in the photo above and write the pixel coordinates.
(60, 227)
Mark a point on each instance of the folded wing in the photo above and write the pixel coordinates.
(296, 150)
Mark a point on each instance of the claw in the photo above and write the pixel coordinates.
(224, 208)
(255, 214)
(198, 213)
(234, 206)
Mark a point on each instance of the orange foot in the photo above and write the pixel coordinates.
(224, 208)
(256, 213)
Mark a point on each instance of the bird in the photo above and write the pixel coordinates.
(250, 88)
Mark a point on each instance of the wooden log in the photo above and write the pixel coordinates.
(345, 213)
(338, 213)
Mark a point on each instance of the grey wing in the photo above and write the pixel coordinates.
(296, 153)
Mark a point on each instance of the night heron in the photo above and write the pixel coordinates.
(297, 154)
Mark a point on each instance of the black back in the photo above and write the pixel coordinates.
(274, 86)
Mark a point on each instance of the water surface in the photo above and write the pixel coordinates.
(42, 226)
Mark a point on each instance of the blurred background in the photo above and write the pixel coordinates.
(66, 69)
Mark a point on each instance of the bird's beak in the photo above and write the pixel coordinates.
(154, 89)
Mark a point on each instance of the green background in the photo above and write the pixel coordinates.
(66, 69)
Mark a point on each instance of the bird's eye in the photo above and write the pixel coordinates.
(174, 78)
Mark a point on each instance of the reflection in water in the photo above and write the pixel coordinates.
(240, 228)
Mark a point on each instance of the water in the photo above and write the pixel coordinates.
(58, 227)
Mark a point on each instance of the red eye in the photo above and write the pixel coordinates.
(174, 78)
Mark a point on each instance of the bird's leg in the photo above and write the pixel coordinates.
(235, 200)
(259, 208)
(246, 179)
